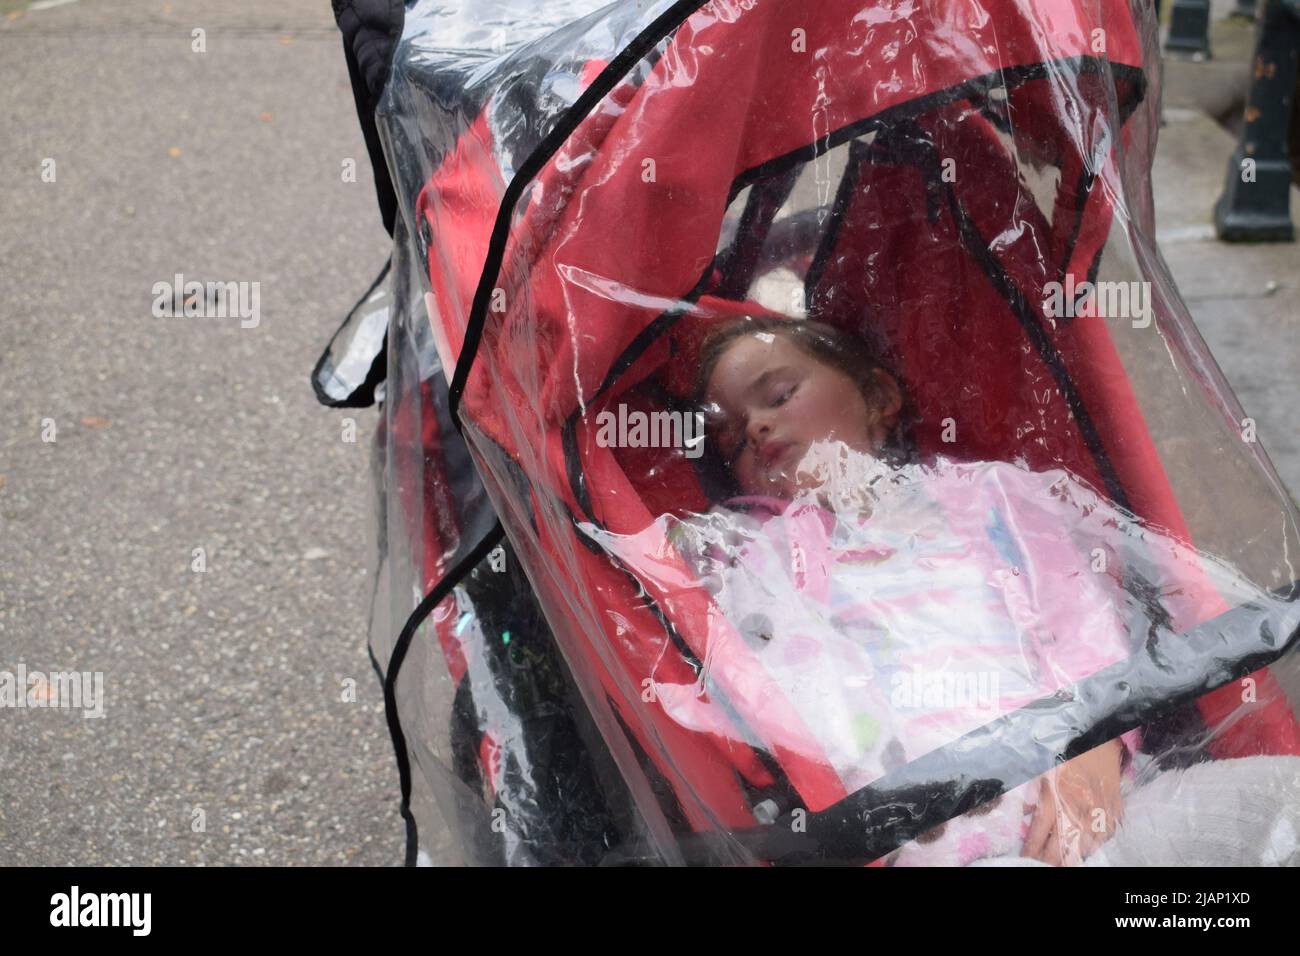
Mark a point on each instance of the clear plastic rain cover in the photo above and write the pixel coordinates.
(868, 494)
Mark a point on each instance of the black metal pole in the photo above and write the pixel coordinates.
(1189, 28)
(1256, 201)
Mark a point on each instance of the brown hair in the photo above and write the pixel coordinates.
(831, 346)
(847, 353)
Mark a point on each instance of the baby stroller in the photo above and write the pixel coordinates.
(955, 182)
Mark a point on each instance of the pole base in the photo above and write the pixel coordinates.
(1189, 29)
(1258, 211)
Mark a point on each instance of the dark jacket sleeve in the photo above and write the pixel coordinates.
(371, 29)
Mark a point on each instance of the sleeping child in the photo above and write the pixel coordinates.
(874, 606)
(899, 604)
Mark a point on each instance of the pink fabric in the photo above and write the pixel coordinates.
(961, 596)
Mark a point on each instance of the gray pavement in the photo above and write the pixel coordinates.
(1242, 296)
(225, 688)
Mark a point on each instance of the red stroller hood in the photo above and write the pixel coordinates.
(735, 95)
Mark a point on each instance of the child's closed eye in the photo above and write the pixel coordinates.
(782, 394)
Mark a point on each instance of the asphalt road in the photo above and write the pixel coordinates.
(226, 736)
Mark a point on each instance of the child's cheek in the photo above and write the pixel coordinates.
(806, 416)
(828, 419)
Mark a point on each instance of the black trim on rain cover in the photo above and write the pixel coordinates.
(592, 97)
(403, 644)
(363, 396)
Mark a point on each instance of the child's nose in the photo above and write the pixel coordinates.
(758, 427)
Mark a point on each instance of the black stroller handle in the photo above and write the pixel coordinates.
(1172, 670)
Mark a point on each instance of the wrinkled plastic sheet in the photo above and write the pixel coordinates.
(867, 489)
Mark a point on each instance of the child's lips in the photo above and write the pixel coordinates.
(773, 453)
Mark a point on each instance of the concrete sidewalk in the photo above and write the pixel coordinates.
(231, 734)
(1243, 296)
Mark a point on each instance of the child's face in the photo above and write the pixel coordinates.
(775, 400)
